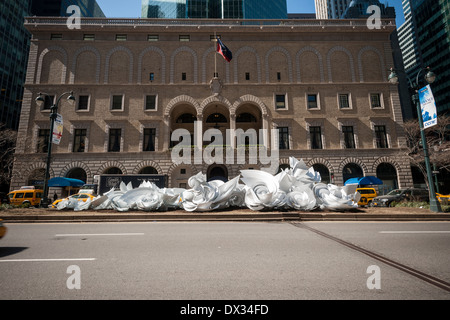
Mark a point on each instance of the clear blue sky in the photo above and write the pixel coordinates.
(132, 8)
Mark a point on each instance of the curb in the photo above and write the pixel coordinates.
(261, 217)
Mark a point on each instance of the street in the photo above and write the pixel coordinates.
(226, 261)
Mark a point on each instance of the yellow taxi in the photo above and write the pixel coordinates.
(79, 197)
(26, 195)
(367, 195)
(2, 229)
(443, 199)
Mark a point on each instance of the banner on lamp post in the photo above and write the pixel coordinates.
(428, 107)
(57, 129)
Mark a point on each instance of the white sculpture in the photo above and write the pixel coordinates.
(297, 188)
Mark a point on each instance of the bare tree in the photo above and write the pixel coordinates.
(8, 139)
(438, 145)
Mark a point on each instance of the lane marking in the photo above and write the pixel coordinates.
(97, 234)
(412, 232)
(47, 260)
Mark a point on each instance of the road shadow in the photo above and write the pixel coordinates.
(7, 251)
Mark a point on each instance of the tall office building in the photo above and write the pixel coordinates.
(55, 8)
(214, 9)
(331, 9)
(13, 59)
(425, 42)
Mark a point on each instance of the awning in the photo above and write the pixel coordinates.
(365, 181)
(65, 182)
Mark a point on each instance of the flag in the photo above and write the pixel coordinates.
(224, 51)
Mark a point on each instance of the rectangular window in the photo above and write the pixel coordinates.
(42, 143)
(150, 102)
(185, 38)
(315, 134)
(121, 37)
(247, 76)
(89, 37)
(312, 101)
(48, 102)
(149, 139)
(183, 76)
(117, 102)
(79, 139)
(56, 36)
(375, 100)
(283, 136)
(83, 103)
(153, 37)
(114, 140)
(349, 137)
(151, 76)
(381, 137)
(280, 101)
(344, 101)
(278, 76)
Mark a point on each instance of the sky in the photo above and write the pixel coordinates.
(132, 8)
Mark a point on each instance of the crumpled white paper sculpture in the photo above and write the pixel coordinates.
(298, 188)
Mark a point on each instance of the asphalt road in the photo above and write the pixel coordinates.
(226, 261)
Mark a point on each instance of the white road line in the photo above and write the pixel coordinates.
(98, 234)
(414, 232)
(46, 260)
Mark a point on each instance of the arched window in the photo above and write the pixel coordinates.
(352, 170)
(246, 117)
(113, 170)
(324, 172)
(77, 173)
(216, 118)
(186, 118)
(148, 170)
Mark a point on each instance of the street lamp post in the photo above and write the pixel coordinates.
(430, 77)
(40, 100)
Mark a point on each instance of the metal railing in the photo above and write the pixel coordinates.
(207, 22)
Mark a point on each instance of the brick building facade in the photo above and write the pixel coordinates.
(322, 84)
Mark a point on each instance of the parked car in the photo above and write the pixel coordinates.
(26, 195)
(2, 229)
(367, 195)
(397, 195)
(79, 197)
(4, 198)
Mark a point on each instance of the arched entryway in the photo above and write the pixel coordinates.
(248, 116)
(113, 170)
(148, 170)
(217, 172)
(77, 173)
(388, 174)
(352, 170)
(324, 172)
(183, 117)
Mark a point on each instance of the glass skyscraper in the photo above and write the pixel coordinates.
(88, 8)
(425, 42)
(214, 9)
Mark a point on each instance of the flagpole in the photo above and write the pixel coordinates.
(223, 11)
(215, 55)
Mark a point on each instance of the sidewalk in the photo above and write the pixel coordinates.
(40, 215)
